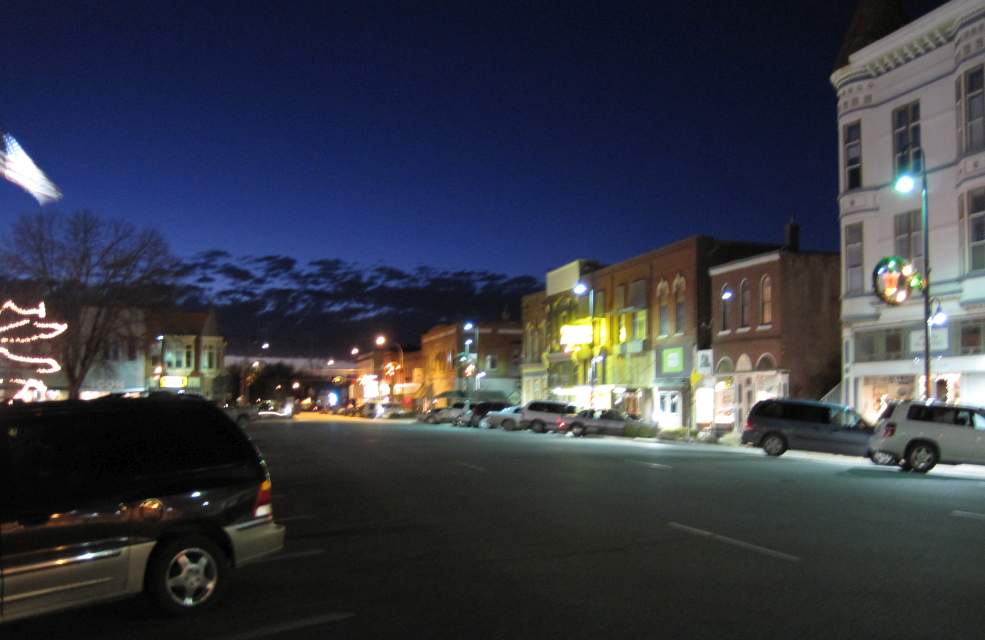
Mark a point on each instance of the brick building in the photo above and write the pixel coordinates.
(776, 331)
(485, 359)
(628, 337)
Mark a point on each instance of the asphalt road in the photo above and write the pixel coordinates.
(398, 529)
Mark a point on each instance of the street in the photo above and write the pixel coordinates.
(400, 529)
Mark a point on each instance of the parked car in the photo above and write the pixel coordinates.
(449, 413)
(542, 415)
(595, 421)
(241, 414)
(508, 418)
(388, 410)
(462, 419)
(109, 498)
(918, 435)
(479, 411)
(781, 424)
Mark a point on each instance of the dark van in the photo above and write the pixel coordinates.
(108, 498)
(781, 424)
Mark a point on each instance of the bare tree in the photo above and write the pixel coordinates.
(93, 273)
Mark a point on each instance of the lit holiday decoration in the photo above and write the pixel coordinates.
(17, 167)
(894, 279)
(34, 318)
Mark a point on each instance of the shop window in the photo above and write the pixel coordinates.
(852, 140)
(971, 337)
(744, 303)
(976, 229)
(637, 294)
(894, 344)
(639, 325)
(766, 300)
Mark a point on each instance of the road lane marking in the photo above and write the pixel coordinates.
(474, 467)
(738, 543)
(971, 515)
(290, 556)
(654, 465)
(293, 518)
(263, 632)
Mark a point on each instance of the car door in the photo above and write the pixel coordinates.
(611, 423)
(848, 434)
(960, 443)
(978, 423)
(64, 528)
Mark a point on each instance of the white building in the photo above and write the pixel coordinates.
(915, 92)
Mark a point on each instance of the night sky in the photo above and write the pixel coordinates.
(505, 137)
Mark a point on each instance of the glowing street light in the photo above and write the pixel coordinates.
(265, 346)
(296, 385)
(355, 351)
(330, 362)
(727, 294)
(380, 340)
(468, 326)
(905, 183)
(580, 289)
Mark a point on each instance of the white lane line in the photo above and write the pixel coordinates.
(971, 515)
(653, 465)
(263, 632)
(738, 543)
(290, 556)
(293, 518)
(474, 467)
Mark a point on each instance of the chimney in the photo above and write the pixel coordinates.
(793, 237)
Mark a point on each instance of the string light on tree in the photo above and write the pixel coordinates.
(45, 331)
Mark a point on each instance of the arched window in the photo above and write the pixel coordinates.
(765, 363)
(766, 300)
(679, 300)
(726, 298)
(663, 296)
(744, 299)
(724, 366)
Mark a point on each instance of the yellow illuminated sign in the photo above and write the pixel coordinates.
(576, 334)
(174, 382)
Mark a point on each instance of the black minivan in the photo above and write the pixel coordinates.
(113, 497)
(786, 423)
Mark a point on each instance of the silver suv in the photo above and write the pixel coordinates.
(541, 415)
(918, 435)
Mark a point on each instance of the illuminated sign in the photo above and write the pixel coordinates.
(576, 334)
(894, 279)
(174, 382)
(672, 360)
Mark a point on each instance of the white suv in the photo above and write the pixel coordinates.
(917, 435)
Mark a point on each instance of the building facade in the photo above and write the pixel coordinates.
(185, 353)
(482, 360)
(627, 338)
(910, 98)
(776, 332)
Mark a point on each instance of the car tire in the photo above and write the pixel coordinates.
(537, 426)
(242, 422)
(508, 425)
(921, 456)
(430, 420)
(577, 430)
(774, 444)
(186, 575)
(883, 459)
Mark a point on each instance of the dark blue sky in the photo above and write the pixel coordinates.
(502, 137)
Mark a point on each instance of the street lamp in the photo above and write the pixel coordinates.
(474, 328)
(380, 341)
(905, 184)
(265, 346)
(355, 351)
(330, 362)
(579, 290)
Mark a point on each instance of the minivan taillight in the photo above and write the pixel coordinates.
(263, 505)
(748, 426)
(889, 430)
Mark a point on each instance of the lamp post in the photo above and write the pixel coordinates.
(579, 290)
(474, 328)
(905, 184)
(380, 341)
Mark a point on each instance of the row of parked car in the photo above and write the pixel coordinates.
(539, 416)
(915, 436)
